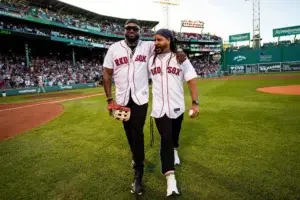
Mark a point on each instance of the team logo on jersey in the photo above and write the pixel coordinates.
(156, 70)
(170, 70)
(124, 60)
(176, 110)
(141, 58)
(121, 61)
(173, 70)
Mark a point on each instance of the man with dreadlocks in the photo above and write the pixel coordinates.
(168, 100)
(127, 62)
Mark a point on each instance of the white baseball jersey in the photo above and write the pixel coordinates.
(130, 73)
(167, 84)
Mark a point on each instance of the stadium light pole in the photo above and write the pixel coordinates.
(165, 4)
(256, 24)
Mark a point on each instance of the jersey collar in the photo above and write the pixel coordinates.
(125, 44)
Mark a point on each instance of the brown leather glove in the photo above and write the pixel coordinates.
(118, 112)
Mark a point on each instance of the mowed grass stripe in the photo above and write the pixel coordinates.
(244, 145)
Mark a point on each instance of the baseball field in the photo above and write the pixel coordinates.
(245, 144)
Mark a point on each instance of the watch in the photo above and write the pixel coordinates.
(196, 102)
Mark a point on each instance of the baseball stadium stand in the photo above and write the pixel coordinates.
(64, 46)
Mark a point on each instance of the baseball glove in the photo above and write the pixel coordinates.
(118, 112)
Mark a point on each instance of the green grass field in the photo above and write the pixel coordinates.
(244, 145)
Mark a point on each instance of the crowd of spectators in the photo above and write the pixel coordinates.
(54, 33)
(196, 36)
(205, 64)
(23, 28)
(200, 47)
(79, 21)
(15, 74)
(85, 38)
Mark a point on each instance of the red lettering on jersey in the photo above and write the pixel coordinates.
(173, 70)
(117, 62)
(169, 69)
(140, 58)
(125, 60)
(143, 58)
(155, 70)
(152, 71)
(121, 61)
(158, 70)
(178, 71)
(137, 58)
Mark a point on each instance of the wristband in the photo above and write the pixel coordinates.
(109, 99)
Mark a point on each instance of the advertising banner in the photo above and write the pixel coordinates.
(167, 2)
(252, 68)
(239, 37)
(240, 69)
(274, 67)
(290, 67)
(192, 24)
(293, 30)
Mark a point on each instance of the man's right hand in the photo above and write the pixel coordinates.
(111, 106)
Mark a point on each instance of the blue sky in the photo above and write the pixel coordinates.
(221, 17)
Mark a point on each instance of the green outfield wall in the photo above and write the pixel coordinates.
(276, 59)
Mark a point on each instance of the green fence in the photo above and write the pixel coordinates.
(14, 92)
(277, 59)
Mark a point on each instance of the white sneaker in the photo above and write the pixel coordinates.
(176, 157)
(172, 185)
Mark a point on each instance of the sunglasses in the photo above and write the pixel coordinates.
(134, 28)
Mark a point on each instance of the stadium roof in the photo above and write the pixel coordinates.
(60, 6)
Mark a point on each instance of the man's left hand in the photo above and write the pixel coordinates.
(195, 109)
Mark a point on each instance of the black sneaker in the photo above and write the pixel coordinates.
(137, 183)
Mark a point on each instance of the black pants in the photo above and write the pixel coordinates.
(134, 129)
(169, 130)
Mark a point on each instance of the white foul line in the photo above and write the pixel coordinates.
(58, 101)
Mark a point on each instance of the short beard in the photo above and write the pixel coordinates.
(161, 50)
(132, 42)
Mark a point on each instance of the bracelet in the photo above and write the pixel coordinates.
(109, 99)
